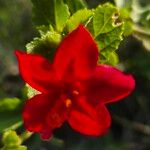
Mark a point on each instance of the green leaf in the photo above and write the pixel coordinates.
(125, 8)
(113, 58)
(31, 91)
(111, 40)
(50, 12)
(128, 23)
(43, 12)
(105, 19)
(81, 16)
(108, 30)
(110, 58)
(128, 28)
(9, 104)
(61, 14)
(75, 5)
(108, 43)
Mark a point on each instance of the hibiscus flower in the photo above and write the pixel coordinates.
(73, 88)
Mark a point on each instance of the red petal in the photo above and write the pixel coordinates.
(77, 54)
(46, 134)
(36, 71)
(89, 120)
(34, 113)
(108, 84)
(40, 111)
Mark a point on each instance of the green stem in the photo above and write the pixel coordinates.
(14, 126)
(25, 135)
(132, 125)
(56, 141)
(140, 30)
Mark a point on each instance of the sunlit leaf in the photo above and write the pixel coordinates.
(110, 58)
(125, 15)
(81, 16)
(108, 30)
(106, 18)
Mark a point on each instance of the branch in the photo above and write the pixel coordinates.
(132, 125)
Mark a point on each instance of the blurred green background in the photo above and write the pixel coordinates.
(130, 128)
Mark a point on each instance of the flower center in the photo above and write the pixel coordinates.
(59, 113)
(68, 103)
(61, 108)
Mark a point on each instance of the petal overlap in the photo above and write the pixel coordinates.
(35, 111)
(43, 113)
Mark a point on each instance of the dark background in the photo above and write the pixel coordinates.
(130, 128)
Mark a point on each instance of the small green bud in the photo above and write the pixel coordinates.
(52, 38)
(45, 45)
(11, 139)
(9, 104)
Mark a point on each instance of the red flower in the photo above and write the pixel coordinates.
(73, 87)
